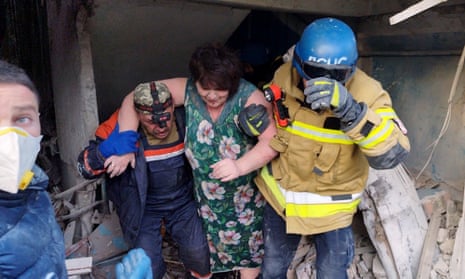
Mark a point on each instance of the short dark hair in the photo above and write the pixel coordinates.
(215, 66)
(10, 73)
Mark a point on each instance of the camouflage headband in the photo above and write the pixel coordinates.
(152, 98)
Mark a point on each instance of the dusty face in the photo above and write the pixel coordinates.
(19, 107)
(212, 98)
(154, 128)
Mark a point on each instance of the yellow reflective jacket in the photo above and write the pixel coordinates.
(317, 180)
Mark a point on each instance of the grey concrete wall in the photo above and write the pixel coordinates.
(139, 41)
(420, 88)
(73, 83)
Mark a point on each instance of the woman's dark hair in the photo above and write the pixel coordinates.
(217, 67)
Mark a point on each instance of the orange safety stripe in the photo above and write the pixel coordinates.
(105, 129)
(88, 168)
(164, 151)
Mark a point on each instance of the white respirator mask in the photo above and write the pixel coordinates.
(18, 152)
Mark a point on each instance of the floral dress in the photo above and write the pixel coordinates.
(232, 212)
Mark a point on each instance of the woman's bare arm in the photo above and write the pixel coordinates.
(128, 119)
(127, 116)
(256, 157)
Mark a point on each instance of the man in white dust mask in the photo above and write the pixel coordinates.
(25, 206)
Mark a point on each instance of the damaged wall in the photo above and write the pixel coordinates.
(139, 41)
(420, 87)
(136, 41)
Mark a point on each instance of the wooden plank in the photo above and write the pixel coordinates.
(456, 266)
(69, 233)
(413, 10)
(429, 246)
(395, 221)
(79, 266)
(377, 235)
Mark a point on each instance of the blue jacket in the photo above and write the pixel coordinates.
(31, 242)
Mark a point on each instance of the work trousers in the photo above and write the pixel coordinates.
(185, 227)
(334, 249)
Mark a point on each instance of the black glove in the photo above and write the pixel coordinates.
(324, 93)
(253, 120)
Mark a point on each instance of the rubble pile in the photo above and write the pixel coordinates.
(366, 264)
(104, 243)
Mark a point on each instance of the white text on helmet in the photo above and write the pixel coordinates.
(329, 61)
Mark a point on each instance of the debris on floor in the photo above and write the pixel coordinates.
(409, 232)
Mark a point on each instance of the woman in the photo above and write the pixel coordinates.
(223, 157)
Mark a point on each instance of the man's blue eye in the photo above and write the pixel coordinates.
(23, 120)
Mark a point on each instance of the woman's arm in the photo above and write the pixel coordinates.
(256, 157)
(128, 119)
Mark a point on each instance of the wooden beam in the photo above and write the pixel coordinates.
(395, 220)
(79, 266)
(441, 19)
(429, 245)
(413, 10)
(350, 8)
(457, 267)
(435, 32)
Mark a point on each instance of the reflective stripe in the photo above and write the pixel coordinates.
(378, 134)
(320, 210)
(386, 113)
(163, 156)
(163, 153)
(305, 204)
(311, 198)
(273, 186)
(318, 134)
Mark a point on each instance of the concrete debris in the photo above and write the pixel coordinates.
(91, 229)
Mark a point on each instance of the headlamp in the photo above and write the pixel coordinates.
(161, 118)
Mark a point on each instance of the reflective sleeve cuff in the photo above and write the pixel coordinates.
(360, 129)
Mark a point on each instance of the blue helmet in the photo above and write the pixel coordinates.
(328, 48)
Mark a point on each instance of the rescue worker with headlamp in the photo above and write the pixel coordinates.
(341, 122)
(158, 188)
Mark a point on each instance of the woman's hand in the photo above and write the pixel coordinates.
(117, 164)
(225, 170)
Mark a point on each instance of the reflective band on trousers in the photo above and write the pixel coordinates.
(305, 204)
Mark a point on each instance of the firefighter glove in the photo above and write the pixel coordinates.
(119, 143)
(253, 120)
(324, 93)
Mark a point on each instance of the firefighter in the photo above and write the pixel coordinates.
(334, 122)
(159, 189)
